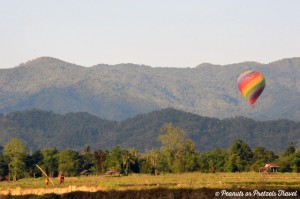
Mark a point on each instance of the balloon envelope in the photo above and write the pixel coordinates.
(251, 84)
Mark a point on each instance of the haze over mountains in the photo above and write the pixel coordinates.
(116, 92)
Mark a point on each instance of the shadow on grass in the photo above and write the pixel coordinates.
(158, 193)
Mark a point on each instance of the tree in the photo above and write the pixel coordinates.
(144, 165)
(284, 163)
(16, 152)
(213, 161)
(188, 157)
(203, 162)
(32, 161)
(99, 159)
(134, 166)
(233, 163)
(151, 162)
(290, 150)
(172, 138)
(3, 165)
(157, 161)
(114, 159)
(296, 162)
(239, 157)
(262, 156)
(69, 162)
(291, 162)
(127, 160)
(50, 161)
(177, 149)
(87, 158)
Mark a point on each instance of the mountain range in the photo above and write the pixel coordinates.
(118, 92)
(44, 129)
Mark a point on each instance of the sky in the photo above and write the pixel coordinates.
(158, 33)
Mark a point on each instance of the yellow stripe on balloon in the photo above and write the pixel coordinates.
(251, 84)
(257, 85)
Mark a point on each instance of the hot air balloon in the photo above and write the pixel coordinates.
(251, 84)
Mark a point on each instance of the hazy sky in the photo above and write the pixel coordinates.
(167, 33)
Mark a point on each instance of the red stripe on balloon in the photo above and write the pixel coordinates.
(247, 80)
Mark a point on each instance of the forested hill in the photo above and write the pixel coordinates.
(117, 92)
(42, 129)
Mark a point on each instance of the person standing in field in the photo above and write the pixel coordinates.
(62, 179)
(47, 181)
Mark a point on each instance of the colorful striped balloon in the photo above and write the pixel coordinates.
(251, 84)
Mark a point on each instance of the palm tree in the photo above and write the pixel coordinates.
(100, 158)
(127, 159)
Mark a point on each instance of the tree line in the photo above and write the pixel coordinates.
(177, 154)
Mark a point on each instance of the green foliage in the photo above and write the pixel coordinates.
(114, 159)
(178, 154)
(172, 138)
(290, 160)
(127, 159)
(239, 157)
(16, 148)
(123, 160)
(134, 162)
(178, 151)
(203, 162)
(212, 161)
(3, 166)
(284, 163)
(290, 150)
(31, 161)
(153, 160)
(99, 161)
(16, 152)
(50, 161)
(290, 163)
(87, 161)
(188, 157)
(69, 162)
(44, 129)
(17, 168)
(262, 156)
(296, 164)
(145, 167)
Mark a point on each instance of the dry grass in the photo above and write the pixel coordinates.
(171, 181)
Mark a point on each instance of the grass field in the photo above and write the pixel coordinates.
(250, 180)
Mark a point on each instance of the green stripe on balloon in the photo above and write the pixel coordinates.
(253, 89)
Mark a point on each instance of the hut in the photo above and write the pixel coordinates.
(85, 172)
(268, 168)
